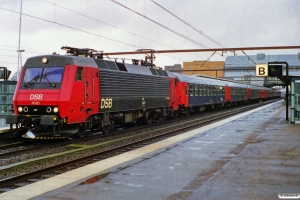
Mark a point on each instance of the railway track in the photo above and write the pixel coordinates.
(95, 149)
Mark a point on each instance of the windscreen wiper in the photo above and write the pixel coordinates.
(36, 78)
(51, 84)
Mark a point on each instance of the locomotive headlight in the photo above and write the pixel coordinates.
(20, 109)
(25, 109)
(48, 109)
(55, 109)
(45, 60)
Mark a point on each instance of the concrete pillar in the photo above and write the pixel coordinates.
(292, 117)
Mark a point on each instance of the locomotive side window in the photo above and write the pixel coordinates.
(79, 74)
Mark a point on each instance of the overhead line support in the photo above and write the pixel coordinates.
(207, 50)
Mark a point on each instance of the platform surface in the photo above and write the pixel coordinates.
(250, 156)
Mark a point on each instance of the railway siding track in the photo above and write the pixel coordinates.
(81, 151)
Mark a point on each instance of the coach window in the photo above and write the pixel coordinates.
(79, 74)
(191, 90)
(200, 90)
(215, 91)
(207, 90)
(196, 90)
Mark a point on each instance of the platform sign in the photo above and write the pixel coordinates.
(275, 70)
(262, 70)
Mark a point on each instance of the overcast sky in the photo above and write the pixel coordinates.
(47, 25)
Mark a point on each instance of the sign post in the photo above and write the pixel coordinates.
(275, 70)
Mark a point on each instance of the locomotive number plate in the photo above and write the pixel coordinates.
(35, 103)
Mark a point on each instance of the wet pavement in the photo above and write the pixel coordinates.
(256, 156)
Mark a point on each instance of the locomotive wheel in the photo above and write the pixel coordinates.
(149, 121)
(81, 132)
(106, 130)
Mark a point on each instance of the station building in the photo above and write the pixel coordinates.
(7, 89)
(242, 68)
(174, 68)
(207, 68)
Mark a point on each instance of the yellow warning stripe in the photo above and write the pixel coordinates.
(50, 138)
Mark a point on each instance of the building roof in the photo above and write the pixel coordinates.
(243, 61)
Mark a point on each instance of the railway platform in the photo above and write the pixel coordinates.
(255, 155)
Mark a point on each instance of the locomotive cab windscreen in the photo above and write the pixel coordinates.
(42, 77)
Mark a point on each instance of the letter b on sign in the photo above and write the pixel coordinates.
(261, 70)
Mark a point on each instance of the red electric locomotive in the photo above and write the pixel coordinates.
(58, 96)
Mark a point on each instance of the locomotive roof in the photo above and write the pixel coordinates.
(198, 80)
(62, 60)
(58, 60)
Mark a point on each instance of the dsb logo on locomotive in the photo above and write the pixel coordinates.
(106, 103)
(36, 96)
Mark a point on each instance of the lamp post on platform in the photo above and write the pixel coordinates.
(19, 54)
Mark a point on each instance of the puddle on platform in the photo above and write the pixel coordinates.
(95, 179)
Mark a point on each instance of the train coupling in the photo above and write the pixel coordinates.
(29, 135)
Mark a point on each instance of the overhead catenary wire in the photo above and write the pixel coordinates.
(92, 18)
(100, 21)
(60, 24)
(194, 28)
(165, 27)
(173, 31)
(66, 26)
(202, 33)
(77, 29)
